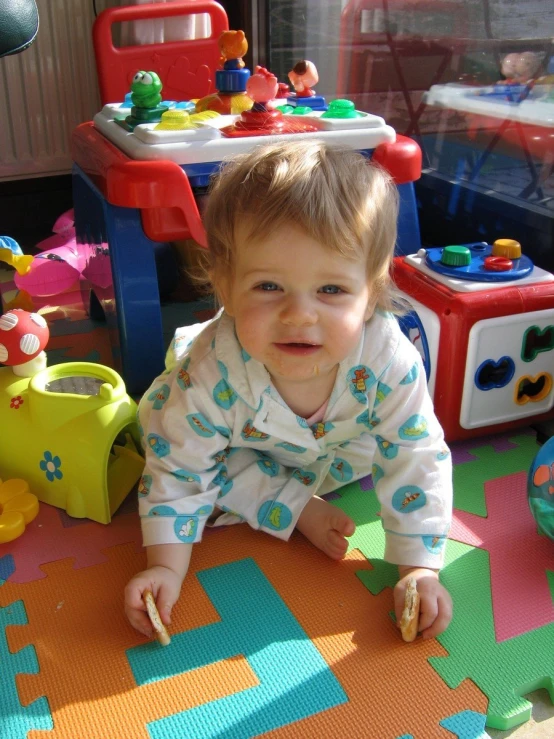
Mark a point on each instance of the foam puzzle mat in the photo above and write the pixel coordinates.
(272, 638)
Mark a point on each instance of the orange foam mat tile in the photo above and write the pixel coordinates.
(77, 626)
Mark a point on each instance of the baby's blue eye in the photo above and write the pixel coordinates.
(269, 286)
(331, 289)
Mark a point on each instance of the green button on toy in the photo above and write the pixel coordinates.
(456, 256)
(341, 109)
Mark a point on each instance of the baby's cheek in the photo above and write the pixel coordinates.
(251, 336)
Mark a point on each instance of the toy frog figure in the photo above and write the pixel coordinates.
(145, 90)
(146, 98)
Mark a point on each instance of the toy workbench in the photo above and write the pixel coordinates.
(141, 165)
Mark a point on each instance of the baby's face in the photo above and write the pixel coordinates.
(299, 307)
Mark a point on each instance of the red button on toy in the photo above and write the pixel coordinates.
(498, 264)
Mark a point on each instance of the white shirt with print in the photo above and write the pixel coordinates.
(217, 433)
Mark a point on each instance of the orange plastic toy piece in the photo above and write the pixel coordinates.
(18, 507)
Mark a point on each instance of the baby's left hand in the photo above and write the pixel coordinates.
(435, 611)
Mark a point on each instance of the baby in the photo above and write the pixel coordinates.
(302, 383)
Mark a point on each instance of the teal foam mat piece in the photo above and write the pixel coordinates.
(295, 681)
(467, 725)
(17, 720)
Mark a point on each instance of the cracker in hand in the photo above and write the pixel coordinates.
(410, 615)
(162, 634)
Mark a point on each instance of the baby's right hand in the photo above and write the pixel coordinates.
(165, 585)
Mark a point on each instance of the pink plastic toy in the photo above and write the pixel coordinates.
(53, 271)
(262, 87)
(63, 232)
(63, 263)
(263, 119)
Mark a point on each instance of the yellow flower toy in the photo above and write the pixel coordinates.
(18, 507)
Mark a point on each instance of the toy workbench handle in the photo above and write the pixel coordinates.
(401, 159)
(117, 66)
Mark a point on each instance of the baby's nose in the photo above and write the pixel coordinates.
(299, 310)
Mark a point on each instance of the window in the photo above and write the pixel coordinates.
(436, 70)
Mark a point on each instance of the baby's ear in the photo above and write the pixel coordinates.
(224, 292)
(371, 303)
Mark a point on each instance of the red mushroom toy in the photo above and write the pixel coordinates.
(23, 337)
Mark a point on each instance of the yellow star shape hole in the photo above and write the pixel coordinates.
(18, 507)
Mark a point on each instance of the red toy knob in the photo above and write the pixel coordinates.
(498, 264)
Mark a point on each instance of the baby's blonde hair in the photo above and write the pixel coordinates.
(334, 194)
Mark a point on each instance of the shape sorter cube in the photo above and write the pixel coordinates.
(484, 325)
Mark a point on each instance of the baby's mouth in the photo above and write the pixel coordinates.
(297, 347)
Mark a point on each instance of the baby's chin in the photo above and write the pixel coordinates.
(300, 372)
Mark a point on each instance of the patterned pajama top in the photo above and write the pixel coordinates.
(216, 433)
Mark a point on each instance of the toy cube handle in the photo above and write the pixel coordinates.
(200, 57)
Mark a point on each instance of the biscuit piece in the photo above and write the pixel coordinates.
(410, 615)
(161, 632)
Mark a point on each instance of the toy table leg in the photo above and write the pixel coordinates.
(132, 305)
(409, 239)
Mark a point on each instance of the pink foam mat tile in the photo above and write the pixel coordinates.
(520, 557)
(47, 539)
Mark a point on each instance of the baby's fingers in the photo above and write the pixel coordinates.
(165, 600)
(139, 621)
(428, 612)
(135, 608)
(435, 615)
(133, 594)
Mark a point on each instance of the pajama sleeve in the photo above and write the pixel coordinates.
(185, 449)
(412, 469)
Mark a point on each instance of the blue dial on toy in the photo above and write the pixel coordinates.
(476, 262)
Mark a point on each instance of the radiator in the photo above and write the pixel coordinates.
(47, 90)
